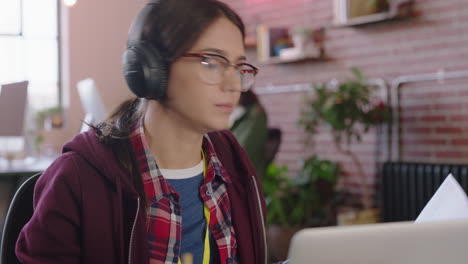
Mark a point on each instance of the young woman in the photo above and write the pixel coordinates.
(161, 177)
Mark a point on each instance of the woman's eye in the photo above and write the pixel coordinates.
(211, 64)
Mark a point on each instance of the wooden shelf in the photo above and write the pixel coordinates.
(369, 19)
(278, 60)
(398, 9)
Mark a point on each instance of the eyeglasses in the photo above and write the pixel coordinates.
(213, 68)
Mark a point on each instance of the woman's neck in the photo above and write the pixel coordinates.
(173, 144)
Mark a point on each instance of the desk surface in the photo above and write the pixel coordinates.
(28, 166)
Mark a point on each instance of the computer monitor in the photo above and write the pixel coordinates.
(389, 243)
(13, 106)
(92, 103)
(13, 100)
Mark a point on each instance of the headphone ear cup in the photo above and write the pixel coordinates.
(145, 71)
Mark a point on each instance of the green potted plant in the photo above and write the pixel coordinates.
(349, 111)
(48, 118)
(307, 200)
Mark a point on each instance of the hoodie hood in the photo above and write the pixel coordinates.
(102, 158)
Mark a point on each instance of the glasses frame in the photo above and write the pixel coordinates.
(236, 66)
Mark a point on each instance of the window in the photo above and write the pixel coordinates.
(29, 48)
(10, 17)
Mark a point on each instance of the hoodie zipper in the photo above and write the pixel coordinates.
(262, 218)
(133, 231)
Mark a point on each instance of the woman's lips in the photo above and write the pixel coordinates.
(227, 108)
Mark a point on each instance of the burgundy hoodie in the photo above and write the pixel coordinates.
(86, 209)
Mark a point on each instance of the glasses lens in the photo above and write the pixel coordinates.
(212, 69)
(247, 76)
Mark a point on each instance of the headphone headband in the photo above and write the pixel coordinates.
(136, 29)
(144, 67)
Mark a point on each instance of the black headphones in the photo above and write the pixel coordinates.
(144, 67)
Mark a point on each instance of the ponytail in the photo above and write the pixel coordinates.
(115, 131)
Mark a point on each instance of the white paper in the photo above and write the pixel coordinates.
(448, 203)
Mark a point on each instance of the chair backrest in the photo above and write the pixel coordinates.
(19, 213)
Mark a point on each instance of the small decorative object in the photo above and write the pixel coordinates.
(359, 8)
(361, 12)
(268, 40)
(282, 44)
(307, 42)
(301, 36)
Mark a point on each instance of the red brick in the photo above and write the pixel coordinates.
(450, 154)
(451, 106)
(462, 118)
(463, 141)
(433, 118)
(408, 119)
(422, 107)
(418, 130)
(423, 154)
(449, 130)
(425, 142)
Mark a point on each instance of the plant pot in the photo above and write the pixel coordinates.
(278, 240)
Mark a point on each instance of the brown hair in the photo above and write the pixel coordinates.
(248, 98)
(173, 27)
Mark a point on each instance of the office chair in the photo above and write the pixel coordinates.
(19, 213)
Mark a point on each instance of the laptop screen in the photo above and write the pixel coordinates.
(390, 243)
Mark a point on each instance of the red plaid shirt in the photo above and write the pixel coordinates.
(164, 219)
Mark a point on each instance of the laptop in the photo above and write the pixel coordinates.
(388, 243)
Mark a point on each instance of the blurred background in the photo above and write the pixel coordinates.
(366, 100)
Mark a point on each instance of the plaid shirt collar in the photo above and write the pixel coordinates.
(207, 146)
(163, 208)
(213, 161)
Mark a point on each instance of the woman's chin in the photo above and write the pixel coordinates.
(217, 126)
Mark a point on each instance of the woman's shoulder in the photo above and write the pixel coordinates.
(65, 166)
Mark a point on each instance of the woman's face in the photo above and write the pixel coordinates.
(193, 97)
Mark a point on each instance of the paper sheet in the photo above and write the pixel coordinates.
(448, 203)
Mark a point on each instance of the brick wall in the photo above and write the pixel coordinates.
(434, 115)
